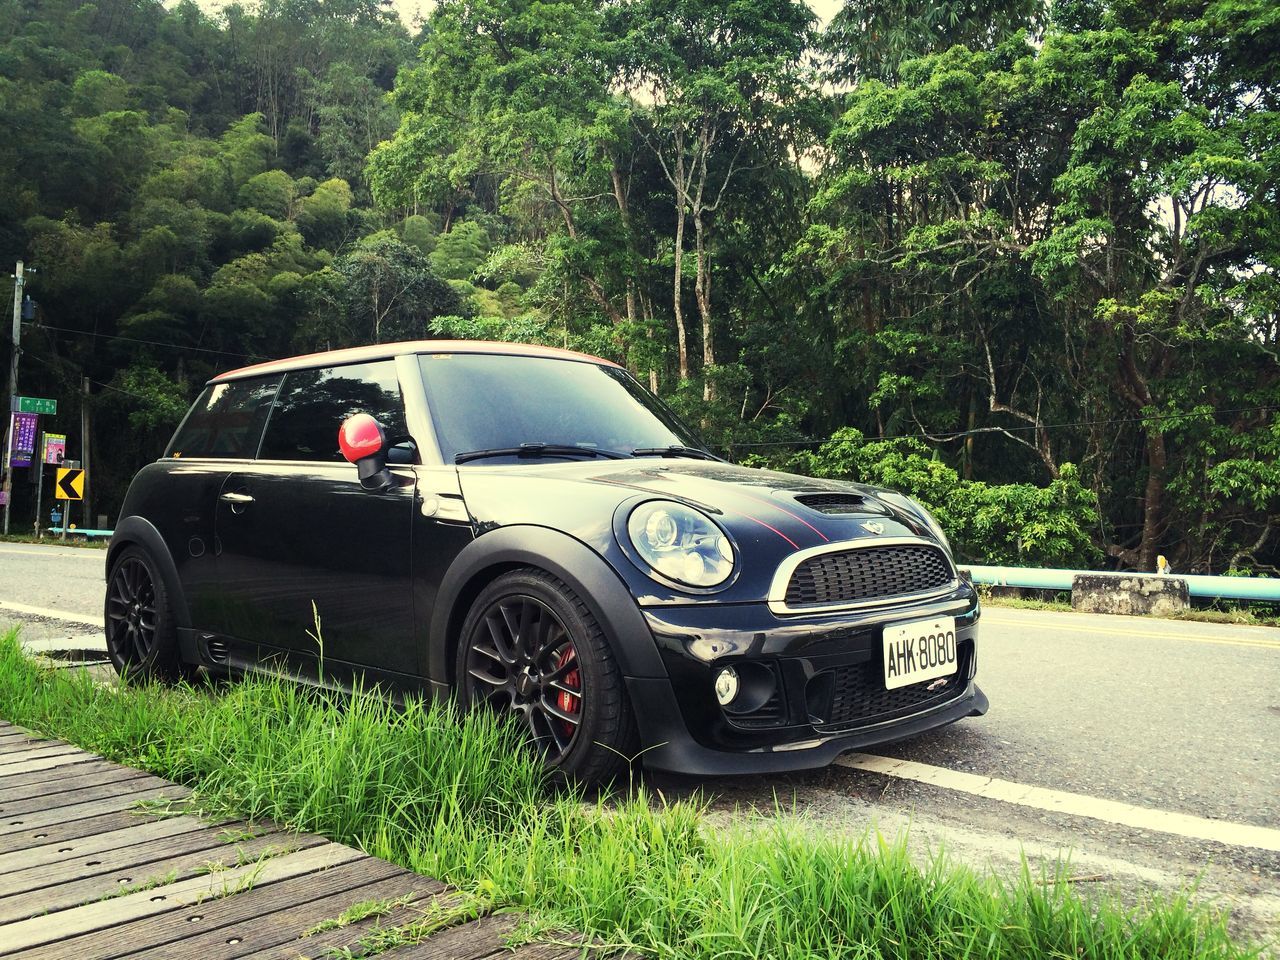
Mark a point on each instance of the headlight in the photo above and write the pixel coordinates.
(681, 543)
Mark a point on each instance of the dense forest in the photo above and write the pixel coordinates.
(1019, 259)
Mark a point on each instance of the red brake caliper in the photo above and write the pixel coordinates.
(569, 702)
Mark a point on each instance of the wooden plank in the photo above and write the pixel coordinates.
(13, 740)
(43, 763)
(486, 937)
(26, 822)
(35, 751)
(76, 829)
(287, 927)
(88, 788)
(550, 951)
(43, 897)
(328, 942)
(12, 746)
(20, 785)
(42, 930)
(98, 843)
(127, 860)
(155, 933)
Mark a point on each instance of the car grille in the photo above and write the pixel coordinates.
(868, 573)
(859, 696)
(772, 714)
(835, 503)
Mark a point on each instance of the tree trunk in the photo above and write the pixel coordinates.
(593, 285)
(1153, 504)
(703, 289)
(682, 339)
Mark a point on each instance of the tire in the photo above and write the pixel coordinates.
(142, 636)
(567, 691)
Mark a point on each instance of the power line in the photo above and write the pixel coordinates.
(151, 343)
(99, 383)
(958, 434)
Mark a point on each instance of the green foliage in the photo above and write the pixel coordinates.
(382, 290)
(1015, 524)
(1028, 235)
(459, 253)
(160, 403)
(271, 193)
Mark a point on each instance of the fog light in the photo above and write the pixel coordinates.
(726, 686)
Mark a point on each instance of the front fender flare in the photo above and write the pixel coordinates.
(580, 567)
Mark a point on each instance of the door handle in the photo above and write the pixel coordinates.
(238, 501)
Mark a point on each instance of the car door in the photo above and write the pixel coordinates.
(311, 565)
(179, 495)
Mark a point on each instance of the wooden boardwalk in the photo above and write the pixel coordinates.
(93, 866)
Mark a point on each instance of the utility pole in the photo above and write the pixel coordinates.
(84, 454)
(18, 283)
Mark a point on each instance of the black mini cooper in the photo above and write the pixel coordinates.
(531, 529)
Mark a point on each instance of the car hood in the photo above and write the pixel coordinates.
(755, 505)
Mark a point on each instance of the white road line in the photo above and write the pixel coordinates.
(1073, 804)
(63, 615)
(48, 554)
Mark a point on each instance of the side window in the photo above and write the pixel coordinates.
(313, 404)
(226, 421)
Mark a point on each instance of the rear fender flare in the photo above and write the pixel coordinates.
(581, 568)
(135, 530)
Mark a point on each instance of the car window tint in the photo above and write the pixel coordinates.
(488, 401)
(313, 404)
(226, 421)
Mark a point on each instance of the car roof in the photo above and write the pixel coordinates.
(384, 351)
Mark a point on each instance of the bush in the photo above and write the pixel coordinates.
(1016, 523)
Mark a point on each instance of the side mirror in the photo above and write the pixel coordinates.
(363, 442)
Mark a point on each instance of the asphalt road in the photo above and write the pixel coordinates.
(1163, 716)
(1176, 715)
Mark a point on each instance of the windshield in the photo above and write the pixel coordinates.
(491, 402)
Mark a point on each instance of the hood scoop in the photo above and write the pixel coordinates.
(834, 503)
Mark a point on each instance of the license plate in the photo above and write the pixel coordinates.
(919, 650)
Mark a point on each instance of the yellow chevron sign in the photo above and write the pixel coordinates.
(70, 484)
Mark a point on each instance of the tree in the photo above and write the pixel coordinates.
(869, 39)
(717, 77)
(389, 293)
(517, 92)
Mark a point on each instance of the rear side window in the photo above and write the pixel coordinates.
(226, 421)
(313, 404)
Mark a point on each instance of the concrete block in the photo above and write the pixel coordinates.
(1009, 593)
(1129, 595)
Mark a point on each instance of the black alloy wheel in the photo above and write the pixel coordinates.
(528, 665)
(140, 629)
(532, 649)
(131, 609)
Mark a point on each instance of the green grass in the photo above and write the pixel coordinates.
(54, 538)
(364, 910)
(458, 799)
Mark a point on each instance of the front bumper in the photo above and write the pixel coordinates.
(830, 697)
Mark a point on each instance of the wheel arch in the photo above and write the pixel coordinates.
(135, 531)
(585, 572)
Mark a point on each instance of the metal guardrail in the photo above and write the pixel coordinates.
(1219, 588)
